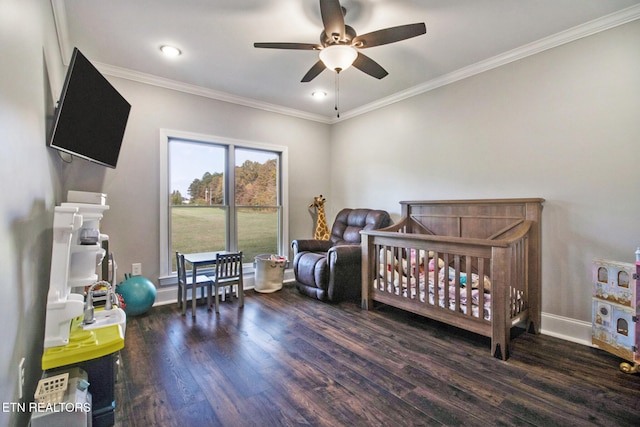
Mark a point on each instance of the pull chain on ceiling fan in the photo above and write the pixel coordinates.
(337, 92)
(340, 45)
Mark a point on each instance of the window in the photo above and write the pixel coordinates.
(623, 279)
(623, 327)
(221, 194)
(603, 275)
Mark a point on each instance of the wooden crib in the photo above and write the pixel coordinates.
(473, 264)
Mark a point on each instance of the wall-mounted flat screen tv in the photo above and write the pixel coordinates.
(91, 115)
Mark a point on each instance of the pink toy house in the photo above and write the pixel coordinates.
(616, 308)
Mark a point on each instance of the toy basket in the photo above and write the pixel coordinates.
(269, 272)
(51, 390)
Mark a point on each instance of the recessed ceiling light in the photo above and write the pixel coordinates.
(319, 94)
(170, 50)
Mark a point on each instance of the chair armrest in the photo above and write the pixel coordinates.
(345, 272)
(345, 255)
(310, 245)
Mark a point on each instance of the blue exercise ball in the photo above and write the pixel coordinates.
(138, 293)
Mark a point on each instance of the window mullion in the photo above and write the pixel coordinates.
(232, 227)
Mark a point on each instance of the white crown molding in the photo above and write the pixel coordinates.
(584, 30)
(153, 80)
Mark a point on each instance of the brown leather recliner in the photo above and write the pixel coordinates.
(330, 270)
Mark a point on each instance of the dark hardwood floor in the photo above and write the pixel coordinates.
(285, 359)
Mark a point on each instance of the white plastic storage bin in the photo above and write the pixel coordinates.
(62, 401)
(269, 272)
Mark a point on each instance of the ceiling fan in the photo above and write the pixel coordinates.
(340, 45)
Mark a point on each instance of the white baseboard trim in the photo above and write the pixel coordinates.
(169, 294)
(565, 328)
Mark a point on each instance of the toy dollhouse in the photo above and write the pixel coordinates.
(616, 308)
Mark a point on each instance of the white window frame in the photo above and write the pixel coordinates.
(165, 136)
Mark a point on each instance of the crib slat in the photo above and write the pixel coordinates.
(436, 278)
(481, 288)
(409, 272)
(525, 273)
(422, 276)
(525, 257)
(517, 280)
(469, 286)
(385, 269)
(394, 258)
(381, 265)
(445, 280)
(520, 281)
(415, 268)
(456, 282)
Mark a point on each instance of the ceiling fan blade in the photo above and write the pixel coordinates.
(369, 66)
(296, 46)
(332, 19)
(389, 35)
(317, 68)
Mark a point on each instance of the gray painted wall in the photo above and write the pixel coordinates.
(31, 185)
(562, 125)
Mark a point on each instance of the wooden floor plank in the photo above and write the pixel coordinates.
(285, 360)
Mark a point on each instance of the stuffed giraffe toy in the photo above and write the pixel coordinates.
(322, 230)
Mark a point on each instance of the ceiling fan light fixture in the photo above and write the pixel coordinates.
(338, 57)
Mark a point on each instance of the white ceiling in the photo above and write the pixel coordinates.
(122, 38)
